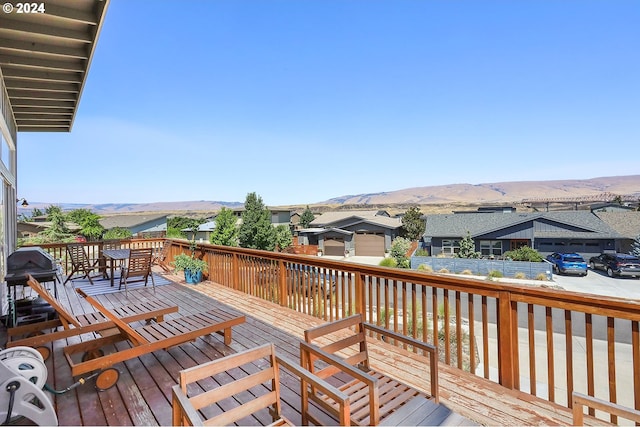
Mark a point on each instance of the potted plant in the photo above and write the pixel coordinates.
(192, 267)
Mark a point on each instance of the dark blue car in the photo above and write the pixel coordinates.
(568, 264)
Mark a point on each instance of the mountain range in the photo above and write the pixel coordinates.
(498, 193)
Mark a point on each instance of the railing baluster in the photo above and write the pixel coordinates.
(472, 336)
(568, 335)
(531, 329)
(588, 336)
(611, 359)
(635, 345)
(447, 332)
(550, 358)
(459, 340)
(485, 336)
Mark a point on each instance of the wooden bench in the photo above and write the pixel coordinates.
(375, 398)
(253, 391)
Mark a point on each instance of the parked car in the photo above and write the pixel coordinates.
(616, 264)
(568, 263)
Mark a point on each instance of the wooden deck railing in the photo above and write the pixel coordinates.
(545, 342)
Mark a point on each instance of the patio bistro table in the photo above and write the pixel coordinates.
(113, 255)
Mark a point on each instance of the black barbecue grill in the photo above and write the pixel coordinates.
(31, 260)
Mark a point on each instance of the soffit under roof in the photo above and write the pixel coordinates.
(45, 57)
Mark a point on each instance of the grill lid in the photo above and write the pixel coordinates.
(32, 258)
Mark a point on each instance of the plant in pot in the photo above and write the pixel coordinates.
(192, 267)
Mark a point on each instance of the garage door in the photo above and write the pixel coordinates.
(334, 246)
(369, 244)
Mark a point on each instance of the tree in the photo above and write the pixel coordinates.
(58, 230)
(117, 233)
(225, 232)
(306, 218)
(283, 237)
(89, 223)
(399, 248)
(256, 231)
(635, 247)
(413, 225)
(467, 248)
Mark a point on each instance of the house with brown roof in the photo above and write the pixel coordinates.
(360, 233)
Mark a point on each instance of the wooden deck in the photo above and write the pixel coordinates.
(142, 396)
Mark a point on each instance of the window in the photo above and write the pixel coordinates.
(450, 247)
(491, 247)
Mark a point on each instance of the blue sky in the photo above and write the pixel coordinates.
(301, 101)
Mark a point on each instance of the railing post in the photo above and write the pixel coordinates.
(282, 282)
(507, 330)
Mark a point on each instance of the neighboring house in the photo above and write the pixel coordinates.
(204, 231)
(626, 223)
(278, 216)
(32, 228)
(136, 223)
(362, 233)
(494, 233)
(611, 207)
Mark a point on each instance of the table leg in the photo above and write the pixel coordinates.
(111, 267)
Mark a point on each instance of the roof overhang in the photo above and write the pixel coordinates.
(45, 57)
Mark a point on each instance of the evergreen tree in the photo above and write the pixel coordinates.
(225, 232)
(256, 231)
(413, 225)
(635, 247)
(306, 218)
(467, 248)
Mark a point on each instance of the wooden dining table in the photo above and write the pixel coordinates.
(113, 255)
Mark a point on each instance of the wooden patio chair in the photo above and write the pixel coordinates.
(81, 324)
(81, 263)
(375, 397)
(161, 257)
(138, 265)
(192, 404)
(143, 340)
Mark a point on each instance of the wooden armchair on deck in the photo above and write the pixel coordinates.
(138, 265)
(375, 398)
(81, 263)
(196, 404)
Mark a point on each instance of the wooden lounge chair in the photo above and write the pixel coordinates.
(81, 324)
(139, 265)
(143, 340)
(161, 257)
(81, 263)
(375, 398)
(191, 404)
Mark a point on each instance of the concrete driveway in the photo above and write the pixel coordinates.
(597, 282)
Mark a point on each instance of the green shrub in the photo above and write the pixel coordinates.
(520, 275)
(467, 272)
(524, 253)
(421, 252)
(443, 270)
(426, 268)
(495, 274)
(388, 262)
(541, 276)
